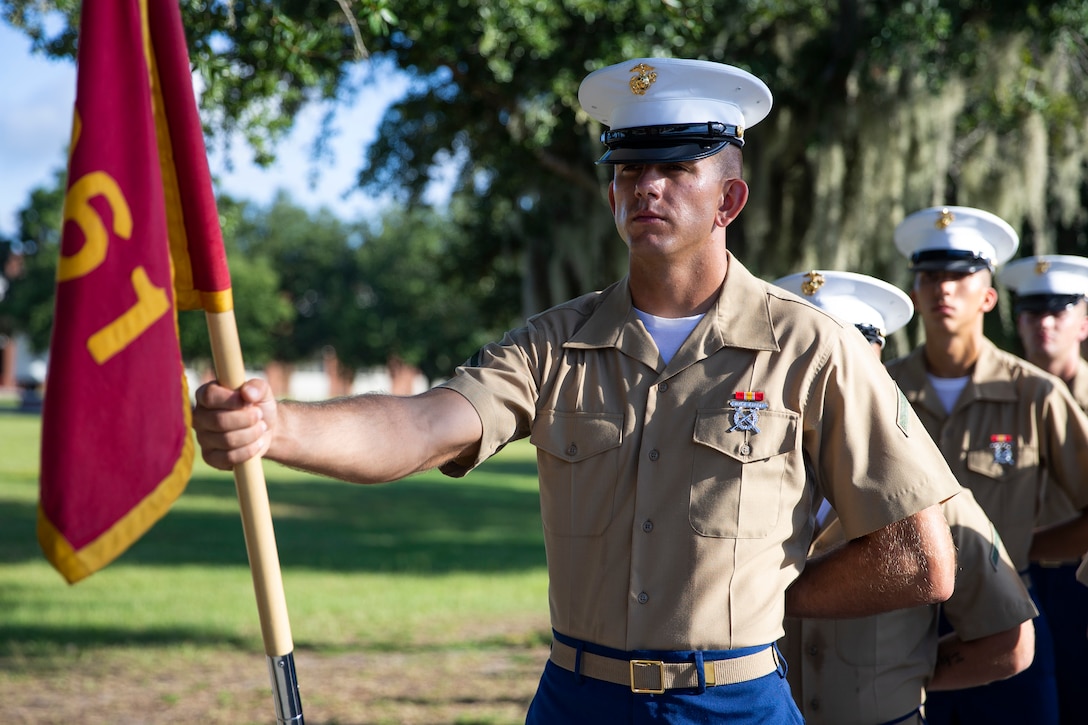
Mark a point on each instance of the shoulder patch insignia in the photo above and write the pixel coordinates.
(995, 541)
(902, 417)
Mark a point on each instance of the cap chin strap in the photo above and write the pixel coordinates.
(710, 132)
(872, 333)
(661, 154)
(950, 259)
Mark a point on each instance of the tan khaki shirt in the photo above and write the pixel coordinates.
(1006, 398)
(673, 520)
(874, 669)
(1079, 386)
(1056, 507)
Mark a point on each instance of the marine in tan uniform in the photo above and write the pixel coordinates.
(684, 417)
(875, 669)
(1007, 428)
(1052, 320)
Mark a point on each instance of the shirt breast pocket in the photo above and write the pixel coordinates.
(1008, 491)
(737, 476)
(990, 463)
(578, 461)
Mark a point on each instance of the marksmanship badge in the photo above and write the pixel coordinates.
(1002, 447)
(746, 406)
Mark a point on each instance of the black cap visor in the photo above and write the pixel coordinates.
(664, 144)
(948, 260)
(1045, 303)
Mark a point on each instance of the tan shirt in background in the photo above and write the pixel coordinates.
(1006, 396)
(875, 669)
(667, 524)
(1056, 507)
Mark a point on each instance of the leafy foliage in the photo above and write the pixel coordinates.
(404, 290)
(314, 267)
(419, 300)
(260, 62)
(880, 108)
(28, 305)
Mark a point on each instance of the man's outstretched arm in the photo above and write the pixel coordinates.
(363, 439)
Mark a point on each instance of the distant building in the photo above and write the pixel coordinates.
(21, 372)
(22, 375)
(325, 378)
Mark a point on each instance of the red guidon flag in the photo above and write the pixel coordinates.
(141, 240)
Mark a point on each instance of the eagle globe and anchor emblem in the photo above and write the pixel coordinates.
(645, 76)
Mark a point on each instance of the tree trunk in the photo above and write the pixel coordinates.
(402, 377)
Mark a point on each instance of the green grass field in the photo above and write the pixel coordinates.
(429, 563)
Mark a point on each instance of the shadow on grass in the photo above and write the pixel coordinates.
(49, 645)
(413, 526)
(45, 644)
(487, 523)
(409, 527)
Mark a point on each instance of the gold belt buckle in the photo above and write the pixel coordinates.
(648, 690)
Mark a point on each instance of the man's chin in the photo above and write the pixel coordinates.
(940, 323)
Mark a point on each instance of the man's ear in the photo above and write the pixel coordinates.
(1082, 334)
(989, 300)
(612, 196)
(734, 197)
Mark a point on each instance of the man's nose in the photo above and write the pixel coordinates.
(649, 182)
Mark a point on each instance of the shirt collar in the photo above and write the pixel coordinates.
(740, 318)
(1079, 386)
(743, 313)
(990, 380)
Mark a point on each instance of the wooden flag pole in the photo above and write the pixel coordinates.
(260, 537)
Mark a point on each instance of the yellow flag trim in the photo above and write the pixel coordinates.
(188, 297)
(74, 564)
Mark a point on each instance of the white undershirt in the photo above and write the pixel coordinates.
(668, 333)
(948, 389)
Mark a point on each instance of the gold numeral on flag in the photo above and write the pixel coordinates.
(151, 304)
(96, 239)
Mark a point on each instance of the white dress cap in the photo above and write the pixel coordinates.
(1047, 283)
(858, 299)
(657, 93)
(1049, 274)
(955, 238)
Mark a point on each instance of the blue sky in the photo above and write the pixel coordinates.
(35, 122)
